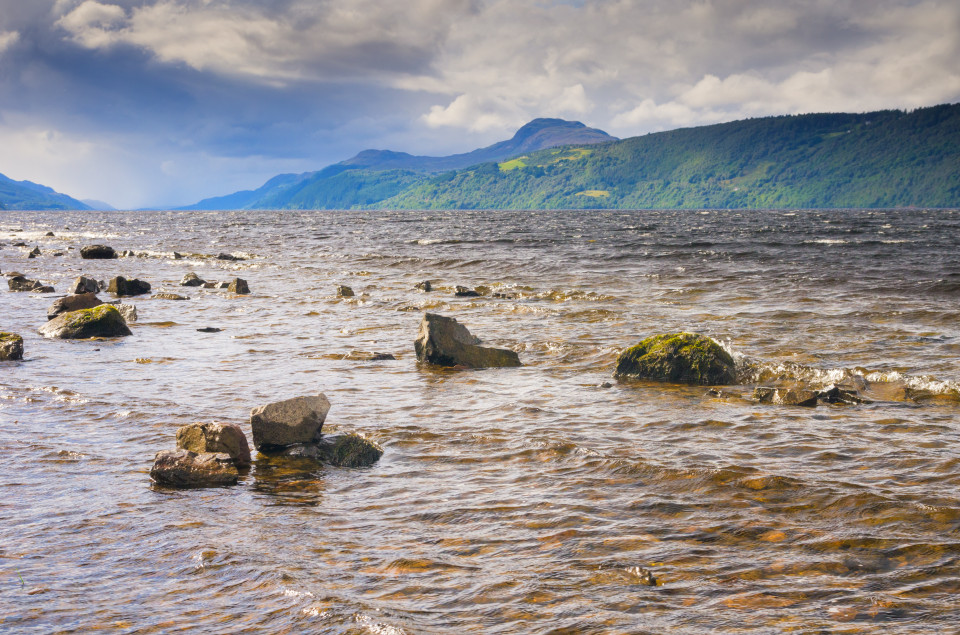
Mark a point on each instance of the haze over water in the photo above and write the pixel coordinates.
(507, 500)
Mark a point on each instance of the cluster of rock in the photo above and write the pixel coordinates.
(237, 285)
(213, 454)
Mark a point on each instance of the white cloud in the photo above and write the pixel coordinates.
(8, 39)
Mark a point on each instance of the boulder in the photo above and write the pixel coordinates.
(84, 284)
(282, 423)
(343, 291)
(192, 280)
(21, 283)
(100, 321)
(11, 347)
(446, 342)
(74, 302)
(98, 252)
(121, 286)
(424, 286)
(128, 311)
(464, 292)
(348, 450)
(182, 468)
(227, 438)
(686, 358)
(238, 286)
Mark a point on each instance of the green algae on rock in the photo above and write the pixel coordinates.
(11, 346)
(100, 321)
(687, 358)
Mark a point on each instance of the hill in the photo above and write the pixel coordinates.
(338, 186)
(27, 195)
(888, 158)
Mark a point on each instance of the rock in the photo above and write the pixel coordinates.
(209, 329)
(168, 296)
(463, 292)
(215, 437)
(238, 286)
(100, 321)
(424, 286)
(182, 468)
(177, 256)
(121, 286)
(343, 291)
(348, 450)
(20, 244)
(98, 252)
(84, 284)
(192, 280)
(128, 311)
(49, 234)
(446, 342)
(785, 396)
(74, 302)
(21, 283)
(282, 423)
(34, 253)
(230, 257)
(366, 356)
(686, 358)
(220, 285)
(11, 347)
(834, 394)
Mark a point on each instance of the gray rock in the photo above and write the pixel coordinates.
(348, 450)
(128, 311)
(11, 347)
(98, 252)
(182, 468)
(192, 280)
(121, 286)
(84, 284)
(343, 291)
(238, 286)
(74, 302)
(297, 420)
(215, 437)
(678, 357)
(100, 321)
(446, 342)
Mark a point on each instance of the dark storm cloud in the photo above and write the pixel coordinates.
(156, 101)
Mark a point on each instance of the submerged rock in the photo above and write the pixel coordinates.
(227, 438)
(11, 347)
(297, 420)
(209, 329)
(168, 296)
(446, 342)
(192, 280)
(83, 284)
(835, 394)
(238, 286)
(182, 468)
(686, 358)
(464, 292)
(100, 321)
(74, 302)
(343, 291)
(98, 252)
(121, 286)
(785, 396)
(348, 450)
(229, 257)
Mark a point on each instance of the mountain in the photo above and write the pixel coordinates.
(93, 203)
(32, 196)
(331, 187)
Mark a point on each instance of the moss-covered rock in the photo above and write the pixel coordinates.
(100, 321)
(348, 450)
(686, 358)
(11, 347)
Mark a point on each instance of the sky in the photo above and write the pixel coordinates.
(164, 102)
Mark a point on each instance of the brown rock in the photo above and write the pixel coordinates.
(446, 342)
(98, 252)
(297, 420)
(215, 437)
(11, 347)
(239, 286)
(182, 468)
(73, 302)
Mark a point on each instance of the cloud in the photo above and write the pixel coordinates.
(7, 40)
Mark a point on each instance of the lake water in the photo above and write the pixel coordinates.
(524, 500)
